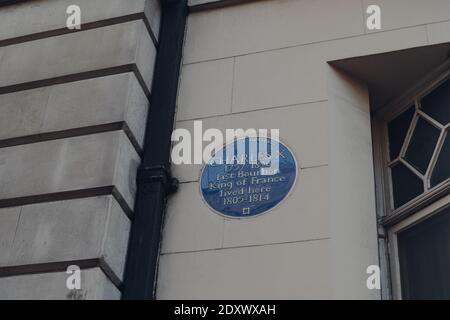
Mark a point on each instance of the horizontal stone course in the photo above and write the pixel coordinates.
(205, 89)
(73, 53)
(74, 108)
(104, 159)
(266, 25)
(67, 230)
(72, 105)
(439, 32)
(52, 286)
(45, 15)
(407, 13)
(283, 271)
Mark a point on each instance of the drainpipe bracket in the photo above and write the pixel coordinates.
(158, 174)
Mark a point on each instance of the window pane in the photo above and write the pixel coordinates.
(441, 171)
(422, 145)
(398, 128)
(437, 103)
(405, 184)
(424, 255)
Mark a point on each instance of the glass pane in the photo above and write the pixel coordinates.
(398, 128)
(405, 184)
(441, 171)
(422, 145)
(424, 255)
(437, 103)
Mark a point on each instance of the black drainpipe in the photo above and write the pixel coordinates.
(154, 180)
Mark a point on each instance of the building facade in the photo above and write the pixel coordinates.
(365, 112)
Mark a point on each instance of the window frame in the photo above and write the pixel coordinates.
(392, 220)
(381, 118)
(433, 209)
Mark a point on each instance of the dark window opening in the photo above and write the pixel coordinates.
(441, 171)
(398, 128)
(422, 145)
(416, 162)
(424, 256)
(437, 103)
(406, 185)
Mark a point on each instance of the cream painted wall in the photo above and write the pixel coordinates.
(264, 65)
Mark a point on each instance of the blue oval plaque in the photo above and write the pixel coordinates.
(250, 186)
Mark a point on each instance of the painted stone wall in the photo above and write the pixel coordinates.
(264, 64)
(73, 106)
